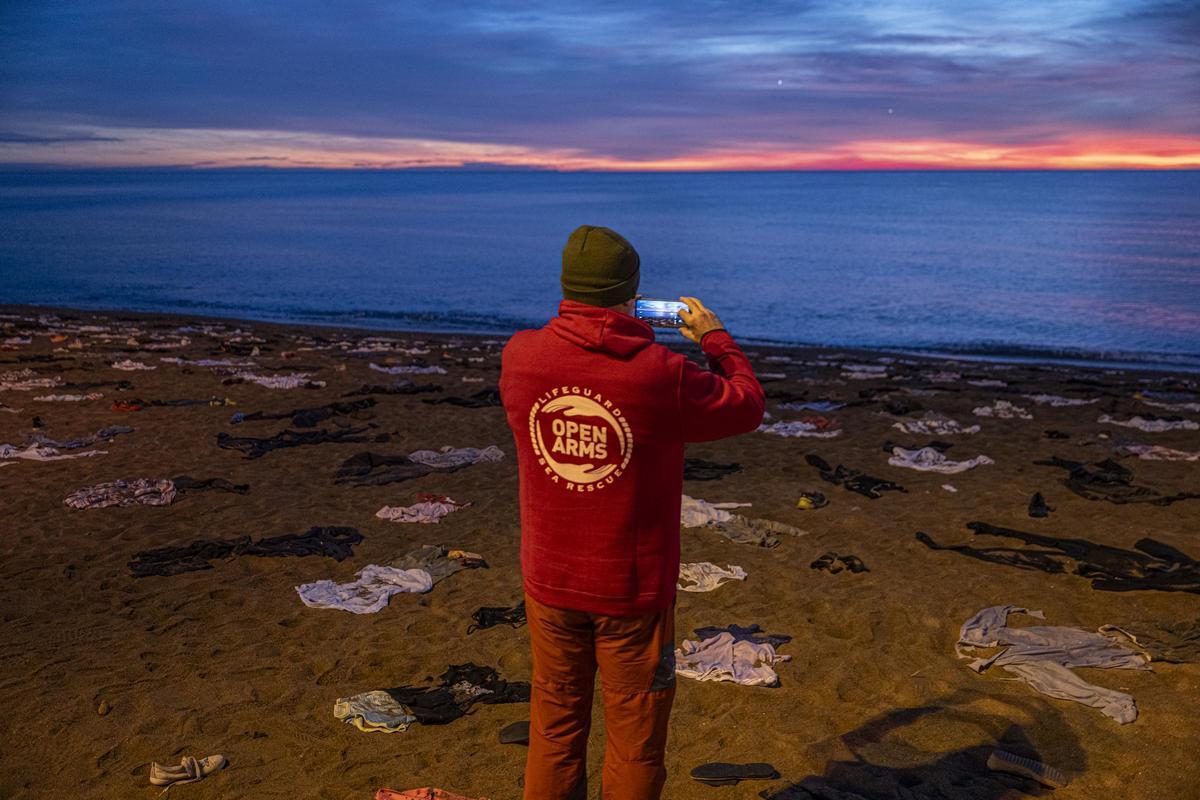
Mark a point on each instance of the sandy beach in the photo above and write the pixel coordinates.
(105, 672)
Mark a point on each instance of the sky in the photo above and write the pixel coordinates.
(566, 85)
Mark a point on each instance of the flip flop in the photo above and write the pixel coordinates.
(189, 770)
(1000, 761)
(721, 774)
(853, 563)
(516, 733)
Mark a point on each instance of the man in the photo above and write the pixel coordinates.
(600, 414)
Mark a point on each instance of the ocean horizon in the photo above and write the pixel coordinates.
(1035, 266)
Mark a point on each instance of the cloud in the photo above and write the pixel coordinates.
(617, 82)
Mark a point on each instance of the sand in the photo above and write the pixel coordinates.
(229, 661)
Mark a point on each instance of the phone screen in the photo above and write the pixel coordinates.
(659, 313)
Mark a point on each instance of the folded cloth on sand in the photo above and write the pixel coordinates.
(1154, 452)
(130, 365)
(704, 576)
(1108, 480)
(401, 386)
(484, 398)
(335, 542)
(38, 452)
(933, 423)
(450, 457)
(373, 711)
(371, 592)
(725, 658)
(810, 427)
(427, 793)
(928, 459)
(1002, 409)
(491, 616)
(1151, 424)
(373, 469)
(1042, 655)
(429, 508)
(309, 417)
(138, 492)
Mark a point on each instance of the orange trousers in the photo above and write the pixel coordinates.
(636, 657)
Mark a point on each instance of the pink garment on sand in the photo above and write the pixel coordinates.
(419, 794)
(428, 508)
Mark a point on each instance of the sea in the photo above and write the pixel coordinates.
(1033, 266)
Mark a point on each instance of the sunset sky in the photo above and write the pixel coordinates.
(685, 85)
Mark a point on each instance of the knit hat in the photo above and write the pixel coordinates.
(599, 267)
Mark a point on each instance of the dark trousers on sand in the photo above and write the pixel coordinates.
(636, 658)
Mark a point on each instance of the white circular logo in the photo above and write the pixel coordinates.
(581, 440)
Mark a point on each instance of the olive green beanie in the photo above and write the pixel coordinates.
(599, 267)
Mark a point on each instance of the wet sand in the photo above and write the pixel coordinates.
(228, 660)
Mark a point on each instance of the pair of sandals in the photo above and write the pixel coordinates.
(720, 773)
(833, 563)
(189, 770)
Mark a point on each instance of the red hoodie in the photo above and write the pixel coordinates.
(600, 415)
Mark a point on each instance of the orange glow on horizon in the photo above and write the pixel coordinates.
(199, 148)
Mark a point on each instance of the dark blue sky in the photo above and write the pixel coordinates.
(697, 84)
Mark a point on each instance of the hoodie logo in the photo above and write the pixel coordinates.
(581, 440)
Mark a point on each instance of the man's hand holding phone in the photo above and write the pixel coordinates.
(697, 320)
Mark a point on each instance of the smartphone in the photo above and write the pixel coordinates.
(659, 313)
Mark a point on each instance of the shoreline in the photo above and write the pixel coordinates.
(1015, 355)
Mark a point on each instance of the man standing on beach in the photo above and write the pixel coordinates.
(600, 414)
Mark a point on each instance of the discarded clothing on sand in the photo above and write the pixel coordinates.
(1152, 565)
(1193, 407)
(186, 483)
(401, 386)
(1057, 401)
(1108, 480)
(373, 469)
(491, 616)
(725, 657)
(429, 508)
(254, 447)
(1151, 424)
(411, 369)
(697, 469)
(373, 711)
(308, 417)
(749, 633)
(1171, 642)
(138, 492)
(927, 459)
(451, 457)
(459, 688)
(484, 398)
(852, 479)
(297, 380)
(372, 590)
(933, 423)
(820, 406)
(696, 513)
(810, 427)
(1154, 452)
(1002, 409)
(440, 562)
(426, 793)
(334, 542)
(1042, 656)
(37, 452)
(102, 435)
(67, 398)
(704, 576)
(131, 366)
